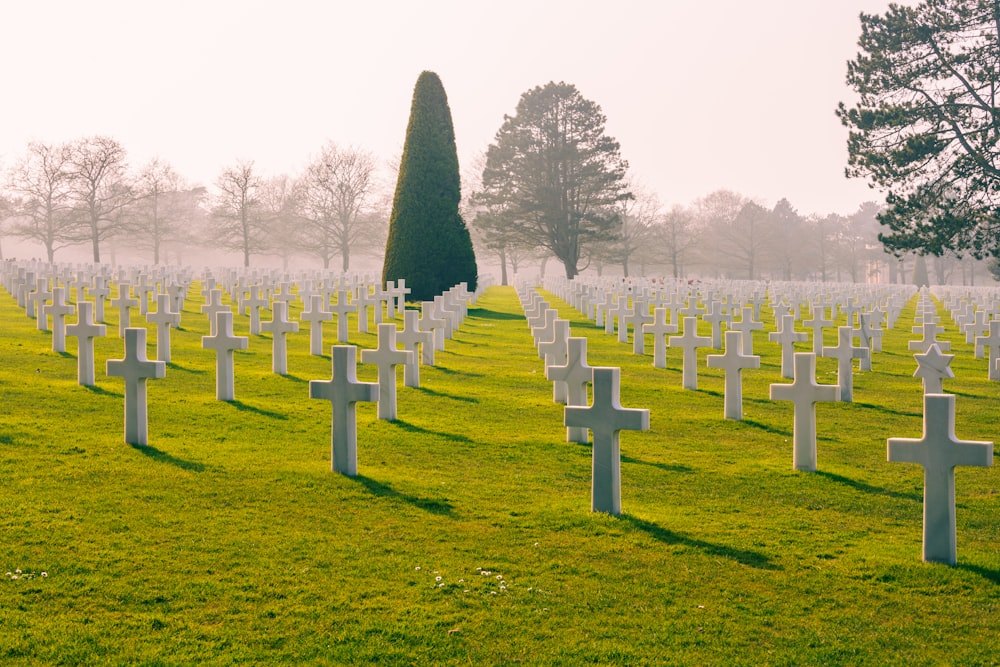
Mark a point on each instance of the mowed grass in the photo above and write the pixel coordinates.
(467, 536)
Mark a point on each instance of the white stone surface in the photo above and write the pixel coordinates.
(344, 392)
(85, 331)
(606, 419)
(224, 342)
(939, 452)
(689, 342)
(386, 357)
(135, 368)
(804, 393)
(733, 361)
(279, 327)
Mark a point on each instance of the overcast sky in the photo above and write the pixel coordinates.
(733, 94)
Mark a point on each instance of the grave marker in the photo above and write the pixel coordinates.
(224, 342)
(733, 361)
(135, 369)
(804, 394)
(344, 392)
(386, 357)
(85, 330)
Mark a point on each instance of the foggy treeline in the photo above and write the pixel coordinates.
(84, 201)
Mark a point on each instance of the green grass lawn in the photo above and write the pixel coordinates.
(467, 536)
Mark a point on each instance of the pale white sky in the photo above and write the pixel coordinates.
(731, 94)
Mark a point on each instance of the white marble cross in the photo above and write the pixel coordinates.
(386, 357)
(123, 302)
(254, 302)
(660, 328)
(419, 343)
(606, 419)
(804, 393)
(938, 451)
(57, 310)
(279, 327)
(224, 342)
(690, 341)
(787, 336)
(933, 367)
(344, 391)
(341, 309)
(733, 361)
(576, 374)
(430, 321)
(715, 317)
(555, 352)
(817, 324)
(991, 345)
(315, 316)
(746, 326)
(214, 306)
(135, 369)
(85, 330)
(164, 319)
(638, 319)
(929, 330)
(845, 352)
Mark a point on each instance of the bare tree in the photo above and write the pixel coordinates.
(100, 187)
(278, 217)
(632, 239)
(164, 210)
(238, 223)
(41, 185)
(676, 238)
(332, 198)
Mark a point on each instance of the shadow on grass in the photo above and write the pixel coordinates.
(984, 572)
(451, 371)
(383, 490)
(413, 428)
(710, 392)
(294, 378)
(742, 556)
(243, 407)
(163, 457)
(767, 427)
(669, 467)
(868, 488)
(431, 392)
(192, 371)
(486, 314)
(882, 408)
(100, 391)
(66, 355)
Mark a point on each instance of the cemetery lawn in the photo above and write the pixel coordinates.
(467, 536)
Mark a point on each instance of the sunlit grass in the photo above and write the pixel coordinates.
(229, 539)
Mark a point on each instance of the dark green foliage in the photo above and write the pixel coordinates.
(927, 127)
(558, 179)
(429, 245)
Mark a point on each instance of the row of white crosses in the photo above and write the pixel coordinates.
(938, 451)
(566, 366)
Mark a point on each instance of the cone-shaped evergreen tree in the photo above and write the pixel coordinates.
(429, 245)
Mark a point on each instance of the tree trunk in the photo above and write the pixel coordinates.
(503, 267)
(96, 243)
(346, 255)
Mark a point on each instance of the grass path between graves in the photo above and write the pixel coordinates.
(467, 536)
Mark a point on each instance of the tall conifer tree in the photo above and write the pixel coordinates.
(429, 245)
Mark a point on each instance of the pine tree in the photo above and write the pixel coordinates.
(429, 245)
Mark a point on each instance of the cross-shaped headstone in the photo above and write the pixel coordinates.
(660, 328)
(690, 341)
(254, 302)
(929, 331)
(164, 319)
(606, 419)
(746, 326)
(315, 316)
(991, 346)
(57, 310)
(386, 357)
(804, 393)
(412, 338)
(136, 369)
(817, 324)
(123, 303)
(733, 361)
(845, 352)
(715, 317)
(341, 310)
(99, 293)
(576, 374)
(224, 342)
(933, 367)
(938, 451)
(36, 299)
(214, 306)
(344, 391)
(431, 321)
(554, 352)
(279, 327)
(787, 336)
(85, 330)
